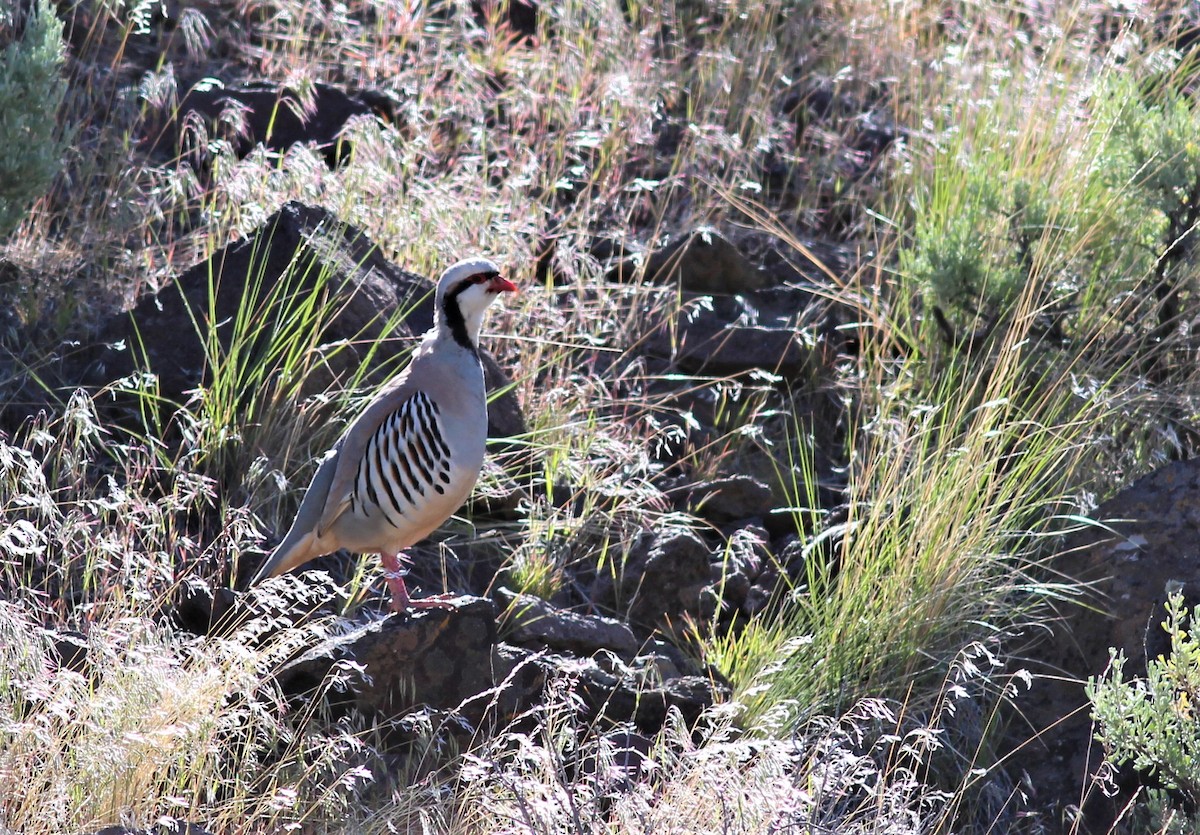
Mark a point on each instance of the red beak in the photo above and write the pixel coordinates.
(500, 284)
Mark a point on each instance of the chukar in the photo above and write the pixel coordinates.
(411, 457)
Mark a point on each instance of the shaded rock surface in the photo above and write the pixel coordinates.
(449, 659)
(202, 607)
(1144, 545)
(704, 261)
(746, 576)
(69, 651)
(520, 16)
(868, 126)
(606, 688)
(780, 331)
(727, 499)
(732, 349)
(439, 658)
(660, 579)
(537, 623)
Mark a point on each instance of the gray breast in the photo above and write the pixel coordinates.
(406, 461)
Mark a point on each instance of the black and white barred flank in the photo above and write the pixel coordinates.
(405, 457)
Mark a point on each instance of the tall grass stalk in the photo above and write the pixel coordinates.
(960, 460)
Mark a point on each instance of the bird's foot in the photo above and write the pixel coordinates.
(436, 601)
(393, 575)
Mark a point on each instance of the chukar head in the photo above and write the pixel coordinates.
(463, 294)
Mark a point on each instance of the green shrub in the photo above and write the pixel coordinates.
(31, 90)
(1090, 221)
(1150, 724)
(1154, 149)
(963, 258)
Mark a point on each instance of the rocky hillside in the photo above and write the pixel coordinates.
(835, 326)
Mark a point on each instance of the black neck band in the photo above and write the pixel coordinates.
(452, 314)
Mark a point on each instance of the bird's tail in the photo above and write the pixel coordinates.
(293, 551)
(300, 544)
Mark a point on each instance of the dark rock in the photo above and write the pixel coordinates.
(735, 571)
(709, 606)
(460, 563)
(662, 664)
(718, 337)
(704, 261)
(440, 658)
(729, 583)
(538, 624)
(659, 580)
(793, 556)
(608, 690)
(784, 521)
(298, 252)
(69, 651)
(520, 16)
(727, 499)
(802, 263)
(669, 660)
(618, 255)
(1143, 546)
(732, 350)
(867, 126)
(437, 657)
(448, 659)
(520, 676)
(749, 550)
(201, 609)
(763, 591)
(816, 539)
(786, 307)
(500, 499)
(262, 113)
(622, 698)
(618, 760)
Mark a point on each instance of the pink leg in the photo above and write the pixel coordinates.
(393, 574)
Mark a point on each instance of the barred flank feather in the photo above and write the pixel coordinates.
(406, 456)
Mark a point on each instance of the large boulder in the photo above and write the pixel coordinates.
(726, 499)
(721, 336)
(438, 657)
(608, 691)
(704, 261)
(538, 624)
(449, 660)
